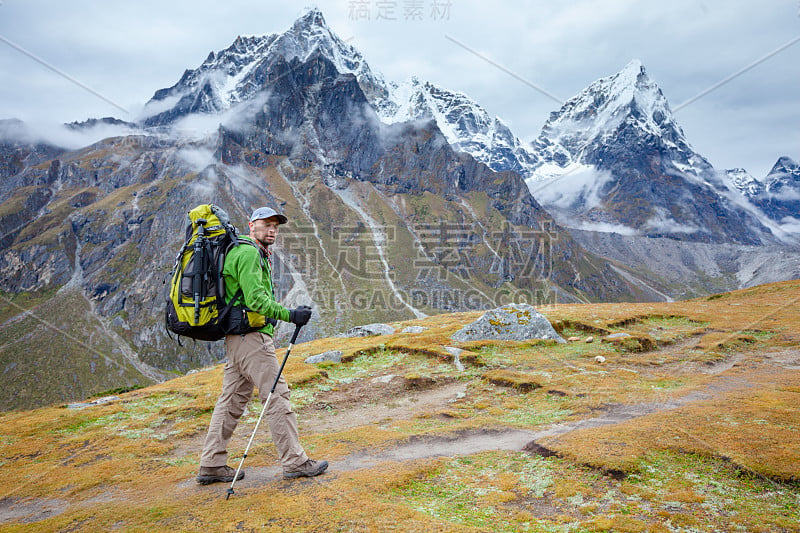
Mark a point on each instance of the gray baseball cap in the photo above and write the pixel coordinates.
(266, 212)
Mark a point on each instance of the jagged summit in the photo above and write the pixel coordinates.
(466, 125)
(744, 182)
(785, 173)
(629, 97)
(624, 110)
(785, 167)
(311, 33)
(777, 195)
(237, 73)
(627, 167)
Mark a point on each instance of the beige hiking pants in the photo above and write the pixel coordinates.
(252, 361)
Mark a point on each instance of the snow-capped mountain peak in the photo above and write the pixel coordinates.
(628, 168)
(238, 73)
(235, 74)
(742, 181)
(457, 116)
(776, 195)
(466, 125)
(311, 33)
(629, 96)
(785, 171)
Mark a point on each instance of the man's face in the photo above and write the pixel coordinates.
(265, 230)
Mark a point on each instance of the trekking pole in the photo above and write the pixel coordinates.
(197, 276)
(264, 409)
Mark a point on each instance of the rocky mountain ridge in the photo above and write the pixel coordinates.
(585, 150)
(777, 195)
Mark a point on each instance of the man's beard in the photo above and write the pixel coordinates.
(262, 244)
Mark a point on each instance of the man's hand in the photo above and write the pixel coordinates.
(300, 315)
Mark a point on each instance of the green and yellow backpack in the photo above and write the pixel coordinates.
(195, 295)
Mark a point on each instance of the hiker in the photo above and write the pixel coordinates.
(252, 361)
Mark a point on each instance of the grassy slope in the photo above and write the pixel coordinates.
(74, 355)
(729, 459)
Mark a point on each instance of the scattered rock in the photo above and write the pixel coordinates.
(566, 394)
(99, 401)
(459, 396)
(589, 340)
(414, 329)
(630, 343)
(368, 330)
(573, 339)
(513, 322)
(599, 359)
(203, 369)
(335, 356)
(384, 379)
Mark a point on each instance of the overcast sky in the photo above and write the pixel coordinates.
(514, 58)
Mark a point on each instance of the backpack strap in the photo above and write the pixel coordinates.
(239, 294)
(239, 240)
(230, 305)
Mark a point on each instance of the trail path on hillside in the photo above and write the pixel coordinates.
(462, 443)
(470, 442)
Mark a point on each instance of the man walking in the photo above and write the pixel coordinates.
(252, 360)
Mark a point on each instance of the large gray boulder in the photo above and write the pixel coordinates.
(512, 322)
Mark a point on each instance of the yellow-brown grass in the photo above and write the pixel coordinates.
(509, 378)
(753, 426)
(129, 464)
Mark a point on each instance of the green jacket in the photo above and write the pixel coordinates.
(245, 269)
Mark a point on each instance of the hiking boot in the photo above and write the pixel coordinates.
(216, 474)
(310, 468)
